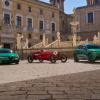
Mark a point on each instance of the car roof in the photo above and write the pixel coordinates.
(4, 49)
(88, 44)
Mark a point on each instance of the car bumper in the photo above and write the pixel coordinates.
(9, 60)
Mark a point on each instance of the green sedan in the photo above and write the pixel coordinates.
(8, 56)
(90, 52)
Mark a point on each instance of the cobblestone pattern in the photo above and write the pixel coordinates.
(81, 86)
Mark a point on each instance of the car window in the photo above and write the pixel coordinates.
(93, 47)
(4, 51)
(82, 47)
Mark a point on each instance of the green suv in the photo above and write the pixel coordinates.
(90, 52)
(8, 56)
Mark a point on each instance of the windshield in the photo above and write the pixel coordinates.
(6, 51)
(93, 47)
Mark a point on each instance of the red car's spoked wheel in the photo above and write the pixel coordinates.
(53, 59)
(30, 59)
(63, 58)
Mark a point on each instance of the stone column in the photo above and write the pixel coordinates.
(74, 40)
(44, 40)
(58, 37)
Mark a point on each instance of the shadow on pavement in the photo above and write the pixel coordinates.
(86, 62)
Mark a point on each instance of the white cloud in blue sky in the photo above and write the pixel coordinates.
(71, 4)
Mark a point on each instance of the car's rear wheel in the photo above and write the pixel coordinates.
(63, 58)
(30, 59)
(52, 59)
(76, 59)
(90, 58)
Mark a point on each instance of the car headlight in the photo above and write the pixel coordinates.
(55, 52)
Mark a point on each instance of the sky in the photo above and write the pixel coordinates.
(71, 4)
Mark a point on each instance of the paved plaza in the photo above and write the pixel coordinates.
(46, 81)
(26, 71)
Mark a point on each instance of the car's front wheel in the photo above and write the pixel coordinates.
(30, 59)
(90, 58)
(63, 58)
(76, 59)
(52, 59)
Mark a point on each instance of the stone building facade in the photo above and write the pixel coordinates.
(31, 19)
(89, 19)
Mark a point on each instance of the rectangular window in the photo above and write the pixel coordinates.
(6, 18)
(29, 36)
(18, 21)
(53, 15)
(29, 23)
(97, 2)
(90, 17)
(18, 6)
(53, 27)
(29, 9)
(41, 37)
(41, 12)
(41, 25)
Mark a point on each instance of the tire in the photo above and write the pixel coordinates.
(90, 58)
(41, 60)
(30, 59)
(17, 62)
(52, 59)
(63, 58)
(76, 59)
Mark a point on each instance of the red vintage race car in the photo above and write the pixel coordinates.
(42, 55)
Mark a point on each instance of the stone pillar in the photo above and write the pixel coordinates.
(44, 40)
(74, 40)
(59, 40)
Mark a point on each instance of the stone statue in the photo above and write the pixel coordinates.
(19, 41)
(58, 35)
(26, 43)
(95, 39)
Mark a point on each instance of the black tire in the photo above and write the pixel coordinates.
(76, 59)
(30, 59)
(52, 59)
(90, 58)
(63, 58)
(41, 60)
(17, 62)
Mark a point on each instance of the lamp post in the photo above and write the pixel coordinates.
(74, 25)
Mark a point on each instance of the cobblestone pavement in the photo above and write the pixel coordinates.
(36, 81)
